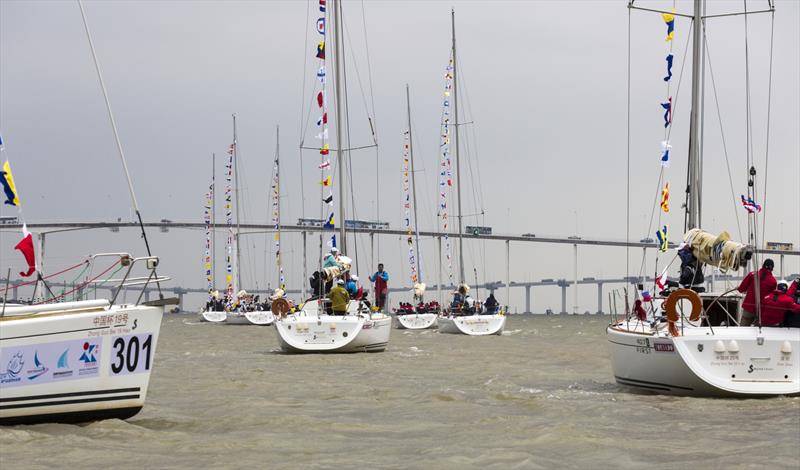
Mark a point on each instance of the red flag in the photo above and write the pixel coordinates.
(25, 246)
(320, 99)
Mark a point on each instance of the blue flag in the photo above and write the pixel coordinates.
(669, 68)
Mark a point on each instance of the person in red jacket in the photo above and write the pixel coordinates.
(381, 280)
(775, 307)
(792, 291)
(767, 284)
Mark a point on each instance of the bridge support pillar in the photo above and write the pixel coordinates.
(180, 301)
(599, 298)
(564, 286)
(528, 299)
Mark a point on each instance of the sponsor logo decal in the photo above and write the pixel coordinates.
(13, 368)
(38, 370)
(88, 358)
(62, 367)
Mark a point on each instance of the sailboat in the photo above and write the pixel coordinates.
(419, 316)
(236, 307)
(66, 359)
(703, 352)
(313, 328)
(461, 319)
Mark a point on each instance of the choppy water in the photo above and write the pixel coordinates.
(540, 396)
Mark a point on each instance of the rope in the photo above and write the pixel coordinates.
(724, 143)
(80, 286)
(48, 276)
(106, 280)
(628, 159)
(769, 108)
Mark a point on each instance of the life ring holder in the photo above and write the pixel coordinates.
(671, 307)
(280, 307)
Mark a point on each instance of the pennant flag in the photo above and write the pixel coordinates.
(665, 147)
(325, 164)
(661, 281)
(330, 223)
(321, 74)
(663, 241)
(669, 68)
(322, 6)
(326, 181)
(321, 50)
(750, 205)
(10, 190)
(25, 246)
(332, 242)
(667, 112)
(324, 150)
(231, 148)
(328, 199)
(323, 119)
(321, 99)
(646, 296)
(323, 135)
(669, 19)
(665, 198)
(321, 26)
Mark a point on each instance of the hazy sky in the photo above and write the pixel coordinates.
(544, 85)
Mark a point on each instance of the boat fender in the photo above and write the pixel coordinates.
(671, 306)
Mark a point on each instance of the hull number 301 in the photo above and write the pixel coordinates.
(131, 354)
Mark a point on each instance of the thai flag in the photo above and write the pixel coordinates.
(750, 205)
(322, 6)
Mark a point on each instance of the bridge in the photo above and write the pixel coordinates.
(56, 227)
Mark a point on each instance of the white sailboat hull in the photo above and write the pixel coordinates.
(89, 362)
(314, 331)
(473, 325)
(704, 361)
(416, 321)
(260, 318)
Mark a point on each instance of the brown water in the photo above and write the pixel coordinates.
(540, 396)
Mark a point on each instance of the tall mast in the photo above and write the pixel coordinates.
(695, 183)
(236, 197)
(413, 185)
(213, 220)
(337, 60)
(278, 260)
(458, 165)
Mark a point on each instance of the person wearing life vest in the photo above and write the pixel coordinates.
(381, 280)
(779, 309)
(339, 298)
(767, 285)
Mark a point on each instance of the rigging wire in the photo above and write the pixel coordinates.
(724, 141)
(628, 158)
(769, 113)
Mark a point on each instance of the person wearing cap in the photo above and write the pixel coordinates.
(766, 284)
(779, 308)
(339, 298)
(330, 259)
(381, 280)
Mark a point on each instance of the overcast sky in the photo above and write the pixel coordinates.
(544, 86)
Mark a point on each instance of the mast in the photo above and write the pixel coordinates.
(694, 177)
(337, 60)
(238, 280)
(413, 186)
(213, 220)
(458, 165)
(278, 260)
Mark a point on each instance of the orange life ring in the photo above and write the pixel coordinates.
(280, 307)
(671, 306)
